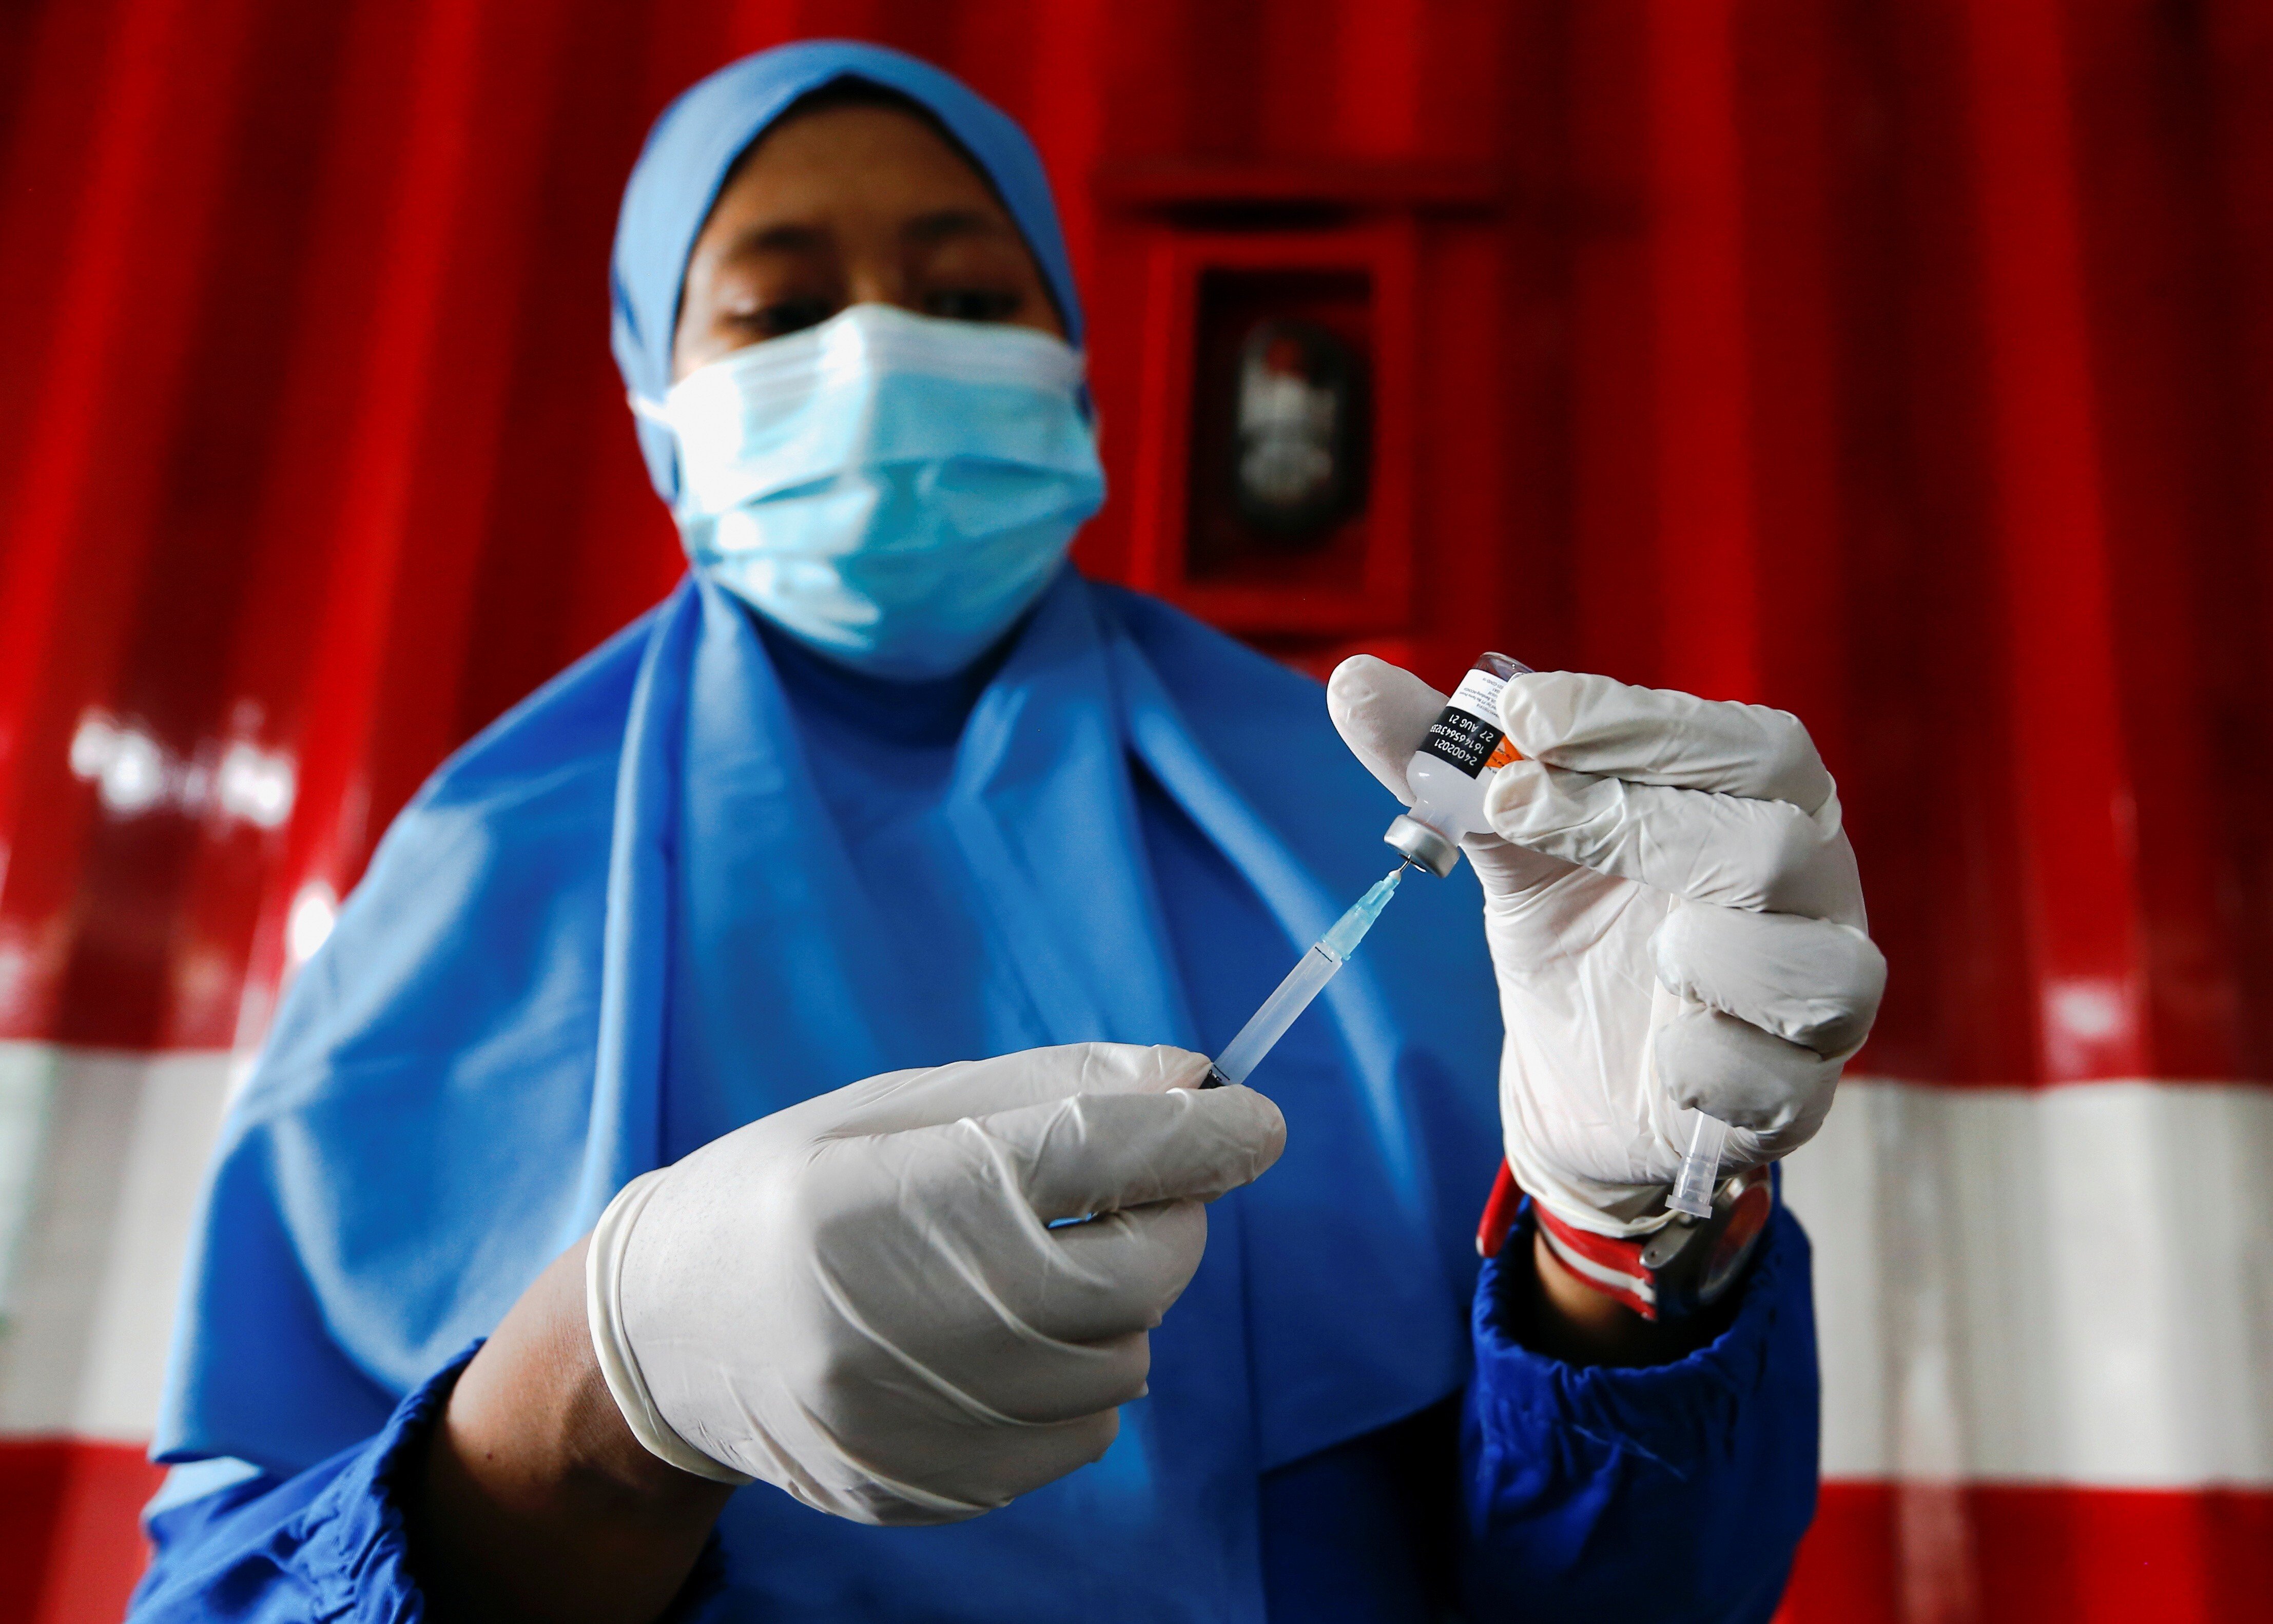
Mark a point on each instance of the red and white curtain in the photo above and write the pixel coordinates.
(2046, 1323)
(1908, 366)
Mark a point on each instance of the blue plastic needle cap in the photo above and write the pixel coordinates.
(1350, 929)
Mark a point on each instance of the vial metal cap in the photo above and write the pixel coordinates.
(1420, 844)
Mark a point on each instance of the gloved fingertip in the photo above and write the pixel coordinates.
(1363, 681)
(1357, 669)
(1382, 713)
(1181, 1068)
(1257, 1120)
(1128, 1068)
(1513, 805)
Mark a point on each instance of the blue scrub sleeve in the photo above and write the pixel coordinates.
(328, 1545)
(1676, 1492)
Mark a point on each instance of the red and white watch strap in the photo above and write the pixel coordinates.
(1675, 1270)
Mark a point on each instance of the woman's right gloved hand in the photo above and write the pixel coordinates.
(861, 1299)
(1675, 917)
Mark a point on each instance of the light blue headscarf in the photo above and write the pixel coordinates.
(694, 146)
(654, 902)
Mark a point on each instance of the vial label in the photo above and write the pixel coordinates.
(1465, 736)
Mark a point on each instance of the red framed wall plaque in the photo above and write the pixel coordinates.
(1208, 296)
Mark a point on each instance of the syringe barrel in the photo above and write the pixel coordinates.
(1265, 1028)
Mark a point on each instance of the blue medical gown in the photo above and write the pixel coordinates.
(703, 876)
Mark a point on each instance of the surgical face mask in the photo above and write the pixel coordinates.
(894, 490)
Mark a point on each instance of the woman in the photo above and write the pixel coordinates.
(631, 1052)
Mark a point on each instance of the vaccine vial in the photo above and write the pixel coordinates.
(1454, 766)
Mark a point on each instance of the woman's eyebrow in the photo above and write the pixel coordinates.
(940, 225)
(787, 238)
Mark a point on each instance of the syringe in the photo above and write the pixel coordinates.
(1700, 1168)
(1313, 971)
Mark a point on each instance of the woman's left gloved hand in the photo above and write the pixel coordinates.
(1675, 918)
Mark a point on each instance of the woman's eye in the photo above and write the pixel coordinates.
(972, 304)
(790, 316)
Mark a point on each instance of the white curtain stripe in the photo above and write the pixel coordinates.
(119, 1160)
(2071, 1284)
(2054, 1285)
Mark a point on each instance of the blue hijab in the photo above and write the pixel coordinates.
(695, 144)
(703, 876)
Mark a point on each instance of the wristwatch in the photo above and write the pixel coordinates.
(1687, 1266)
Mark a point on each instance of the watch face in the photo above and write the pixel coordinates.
(1734, 1244)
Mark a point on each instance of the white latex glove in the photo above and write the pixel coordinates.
(1675, 919)
(859, 1300)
